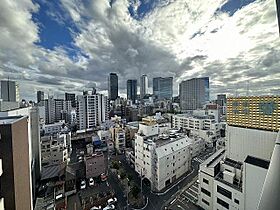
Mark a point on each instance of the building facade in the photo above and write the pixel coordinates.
(9, 91)
(40, 96)
(143, 85)
(194, 93)
(161, 158)
(234, 178)
(132, 90)
(92, 110)
(95, 165)
(15, 182)
(163, 87)
(71, 97)
(113, 86)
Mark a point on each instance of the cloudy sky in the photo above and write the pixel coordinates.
(71, 45)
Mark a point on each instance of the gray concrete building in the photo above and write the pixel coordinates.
(40, 96)
(113, 87)
(163, 87)
(9, 91)
(194, 93)
(143, 85)
(132, 90)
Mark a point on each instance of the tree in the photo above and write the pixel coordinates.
(135, 191)
(122, 174)
(115, 165)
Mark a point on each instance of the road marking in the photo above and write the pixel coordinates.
(172, 201)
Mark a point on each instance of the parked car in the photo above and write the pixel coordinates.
(103, 177)
(83, 185)
(112, 201)
(96, 208)
(91, 182)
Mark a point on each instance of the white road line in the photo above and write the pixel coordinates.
(173, 201)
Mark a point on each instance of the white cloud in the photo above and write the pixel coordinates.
(183, 39)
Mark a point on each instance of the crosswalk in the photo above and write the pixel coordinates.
(190, 194)
(198, 160)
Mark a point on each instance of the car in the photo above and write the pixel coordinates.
(103, 177)
(83, 185)
(96, 208)
(91, 182)
(80, 159)
(112, 201)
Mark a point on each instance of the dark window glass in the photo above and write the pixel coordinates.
(206, 192)
(224, 192)
(223, 203)
(205, 181)
(206, 202)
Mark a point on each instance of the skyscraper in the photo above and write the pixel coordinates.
(132, 89)
(113, 86)
(9, 91)
(92, 110)
(40, 96)
(194, 93)
(143, 85)
(15, 182)
(163, 87)
(71, 97)
(222, 99)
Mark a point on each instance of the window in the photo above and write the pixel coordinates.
(205, 181)
(223, 203)
(224, 192)
(236, 201)
(206, 192)
(206, 202)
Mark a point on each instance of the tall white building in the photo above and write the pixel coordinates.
(143, 85)
(92, 110)
(161, 158)
(234, 178)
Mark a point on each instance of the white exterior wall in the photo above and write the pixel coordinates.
(253, 183)
(172, 165)
(209, 187)
(120, 140)
(148, 130)
(241, 142)
(235, 195)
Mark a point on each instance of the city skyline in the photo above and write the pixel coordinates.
(63, 51)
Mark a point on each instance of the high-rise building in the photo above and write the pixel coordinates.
(15, 182)
(143, 85)
(234, 178)
(9, 91)
(71, 97)
(57, 109)
(163, 87)
(113, 86)
(194, 93)
(132, 89)
(222, 99)
(92, 110)
(40, 96)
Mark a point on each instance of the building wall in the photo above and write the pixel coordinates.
(95, 165)
(235, 202)
(205, 201)
(253, 183)
(241, 142)
(16, 186)
(194, 93)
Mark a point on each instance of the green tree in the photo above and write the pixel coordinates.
(135, 191)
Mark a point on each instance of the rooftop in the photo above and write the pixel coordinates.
(10, 119)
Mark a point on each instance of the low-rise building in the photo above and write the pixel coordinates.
(55, 149)
(51, 129)
(118, 137)
(95, 165)
(198, 123)
(161, 158)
